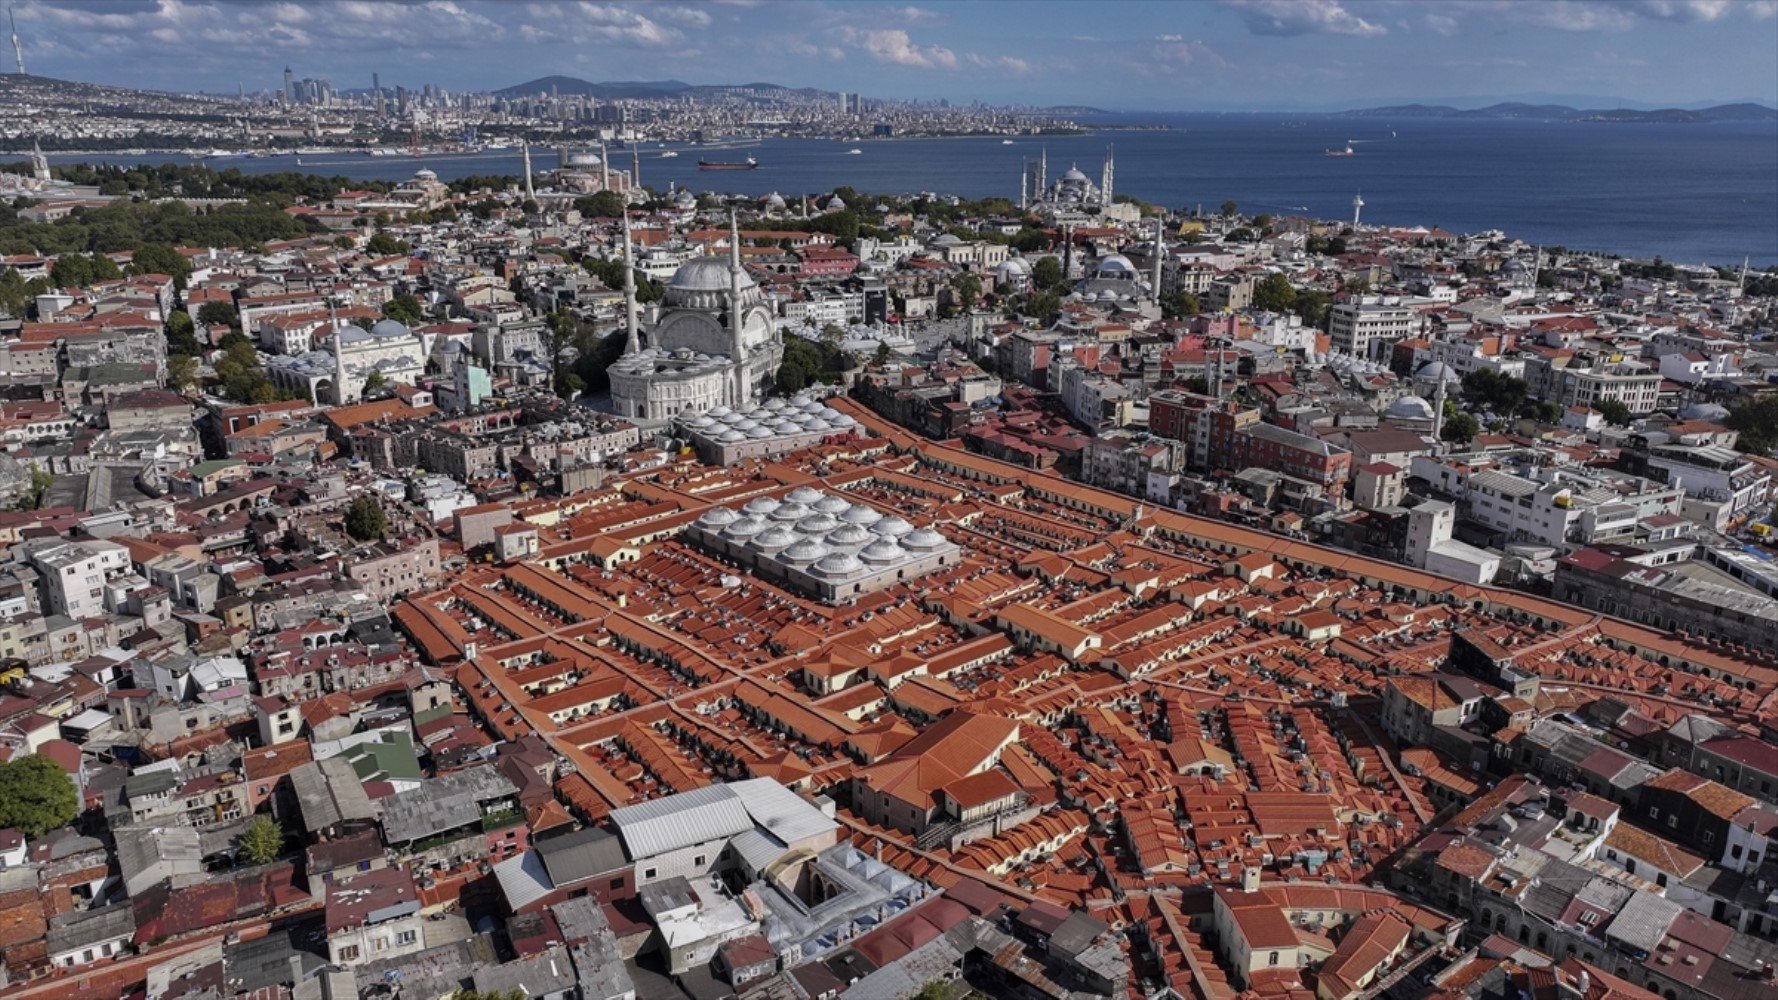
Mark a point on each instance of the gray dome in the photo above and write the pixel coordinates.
(777, 538)
(1437, 370)
(746, 527)
(1410, 408)
(389, 328)
(718, 516)
(704, 274)
(832, 505)
(849, 534)
(761, 505)
(817, 524)
(839, 563)
(882, 551)
(1115, 264)
(923, 538)
(892, 527)
(805, 494)
(860, 514)
(791, 512)
(774, 200)
(1074, 174)
(806, 551)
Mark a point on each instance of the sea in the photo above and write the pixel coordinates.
(1688, 193)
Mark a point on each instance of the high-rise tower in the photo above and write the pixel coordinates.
(1105, 176)
(1357, 207)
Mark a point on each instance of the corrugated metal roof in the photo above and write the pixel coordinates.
(523, 880)
(716, 812)
(666, 824)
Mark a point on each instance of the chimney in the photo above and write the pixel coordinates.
(1250, 878)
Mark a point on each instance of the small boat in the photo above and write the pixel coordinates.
(669, 154)
(748, 164)
(1006, 142)
(854, 152)
(1348, 151)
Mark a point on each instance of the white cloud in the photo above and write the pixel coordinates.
(1303, 17)
(1009, 64)
(1444, 24)
(893, 46)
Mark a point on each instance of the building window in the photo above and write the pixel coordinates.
(1274, 959)
(405, 937)
(349, 953)
(648, 873)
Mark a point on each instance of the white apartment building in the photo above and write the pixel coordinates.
(1368, 325)
(74, 575)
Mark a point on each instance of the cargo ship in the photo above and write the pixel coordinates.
(748, 164)
(1348, 151)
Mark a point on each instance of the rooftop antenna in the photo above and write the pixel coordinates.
(18, 49)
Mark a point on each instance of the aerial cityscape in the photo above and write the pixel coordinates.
(813, 500)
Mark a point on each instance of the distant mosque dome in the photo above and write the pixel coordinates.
(1014, 270)
(1410, 408)
(389, 328)
(581, 159)
(1115, 265)
(685, 200)
(834, 204)
(774, 202)
(423, 174)
(1435, 371)
(1074, 174)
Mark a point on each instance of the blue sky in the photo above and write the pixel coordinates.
(1185, 55)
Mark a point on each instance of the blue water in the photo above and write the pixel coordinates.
(1688, 193)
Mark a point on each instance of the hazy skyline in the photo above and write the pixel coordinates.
(1215, 54)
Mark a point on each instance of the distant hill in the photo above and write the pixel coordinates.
(645, 90)
(1743, 112)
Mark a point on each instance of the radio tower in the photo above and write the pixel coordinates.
(18, 49)
(1357, 207)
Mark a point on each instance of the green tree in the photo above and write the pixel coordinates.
(242, 376)
(404, 309)
(1229, 209)
(1545, 412)
(14, 297)
(182, 335)
(881, 354)
(373, 382)
(968, 288)
(604, 205)
(1757, 421)
(1262, 222)
(1047, 274)
(219, 314)
(36, 795)
(1498, 392)
(1460, 428)
(938, 989)
(344, 243)
(81, 270)
(1274, 293)
(182, 372)
(1044, 307)
(1614, 412)
(384, 245)
(263, 840)
(1312, 304)
(1178, 304)
(161, 258)
(365, 520)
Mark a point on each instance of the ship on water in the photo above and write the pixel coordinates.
(748, 164)
(1348, 151)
